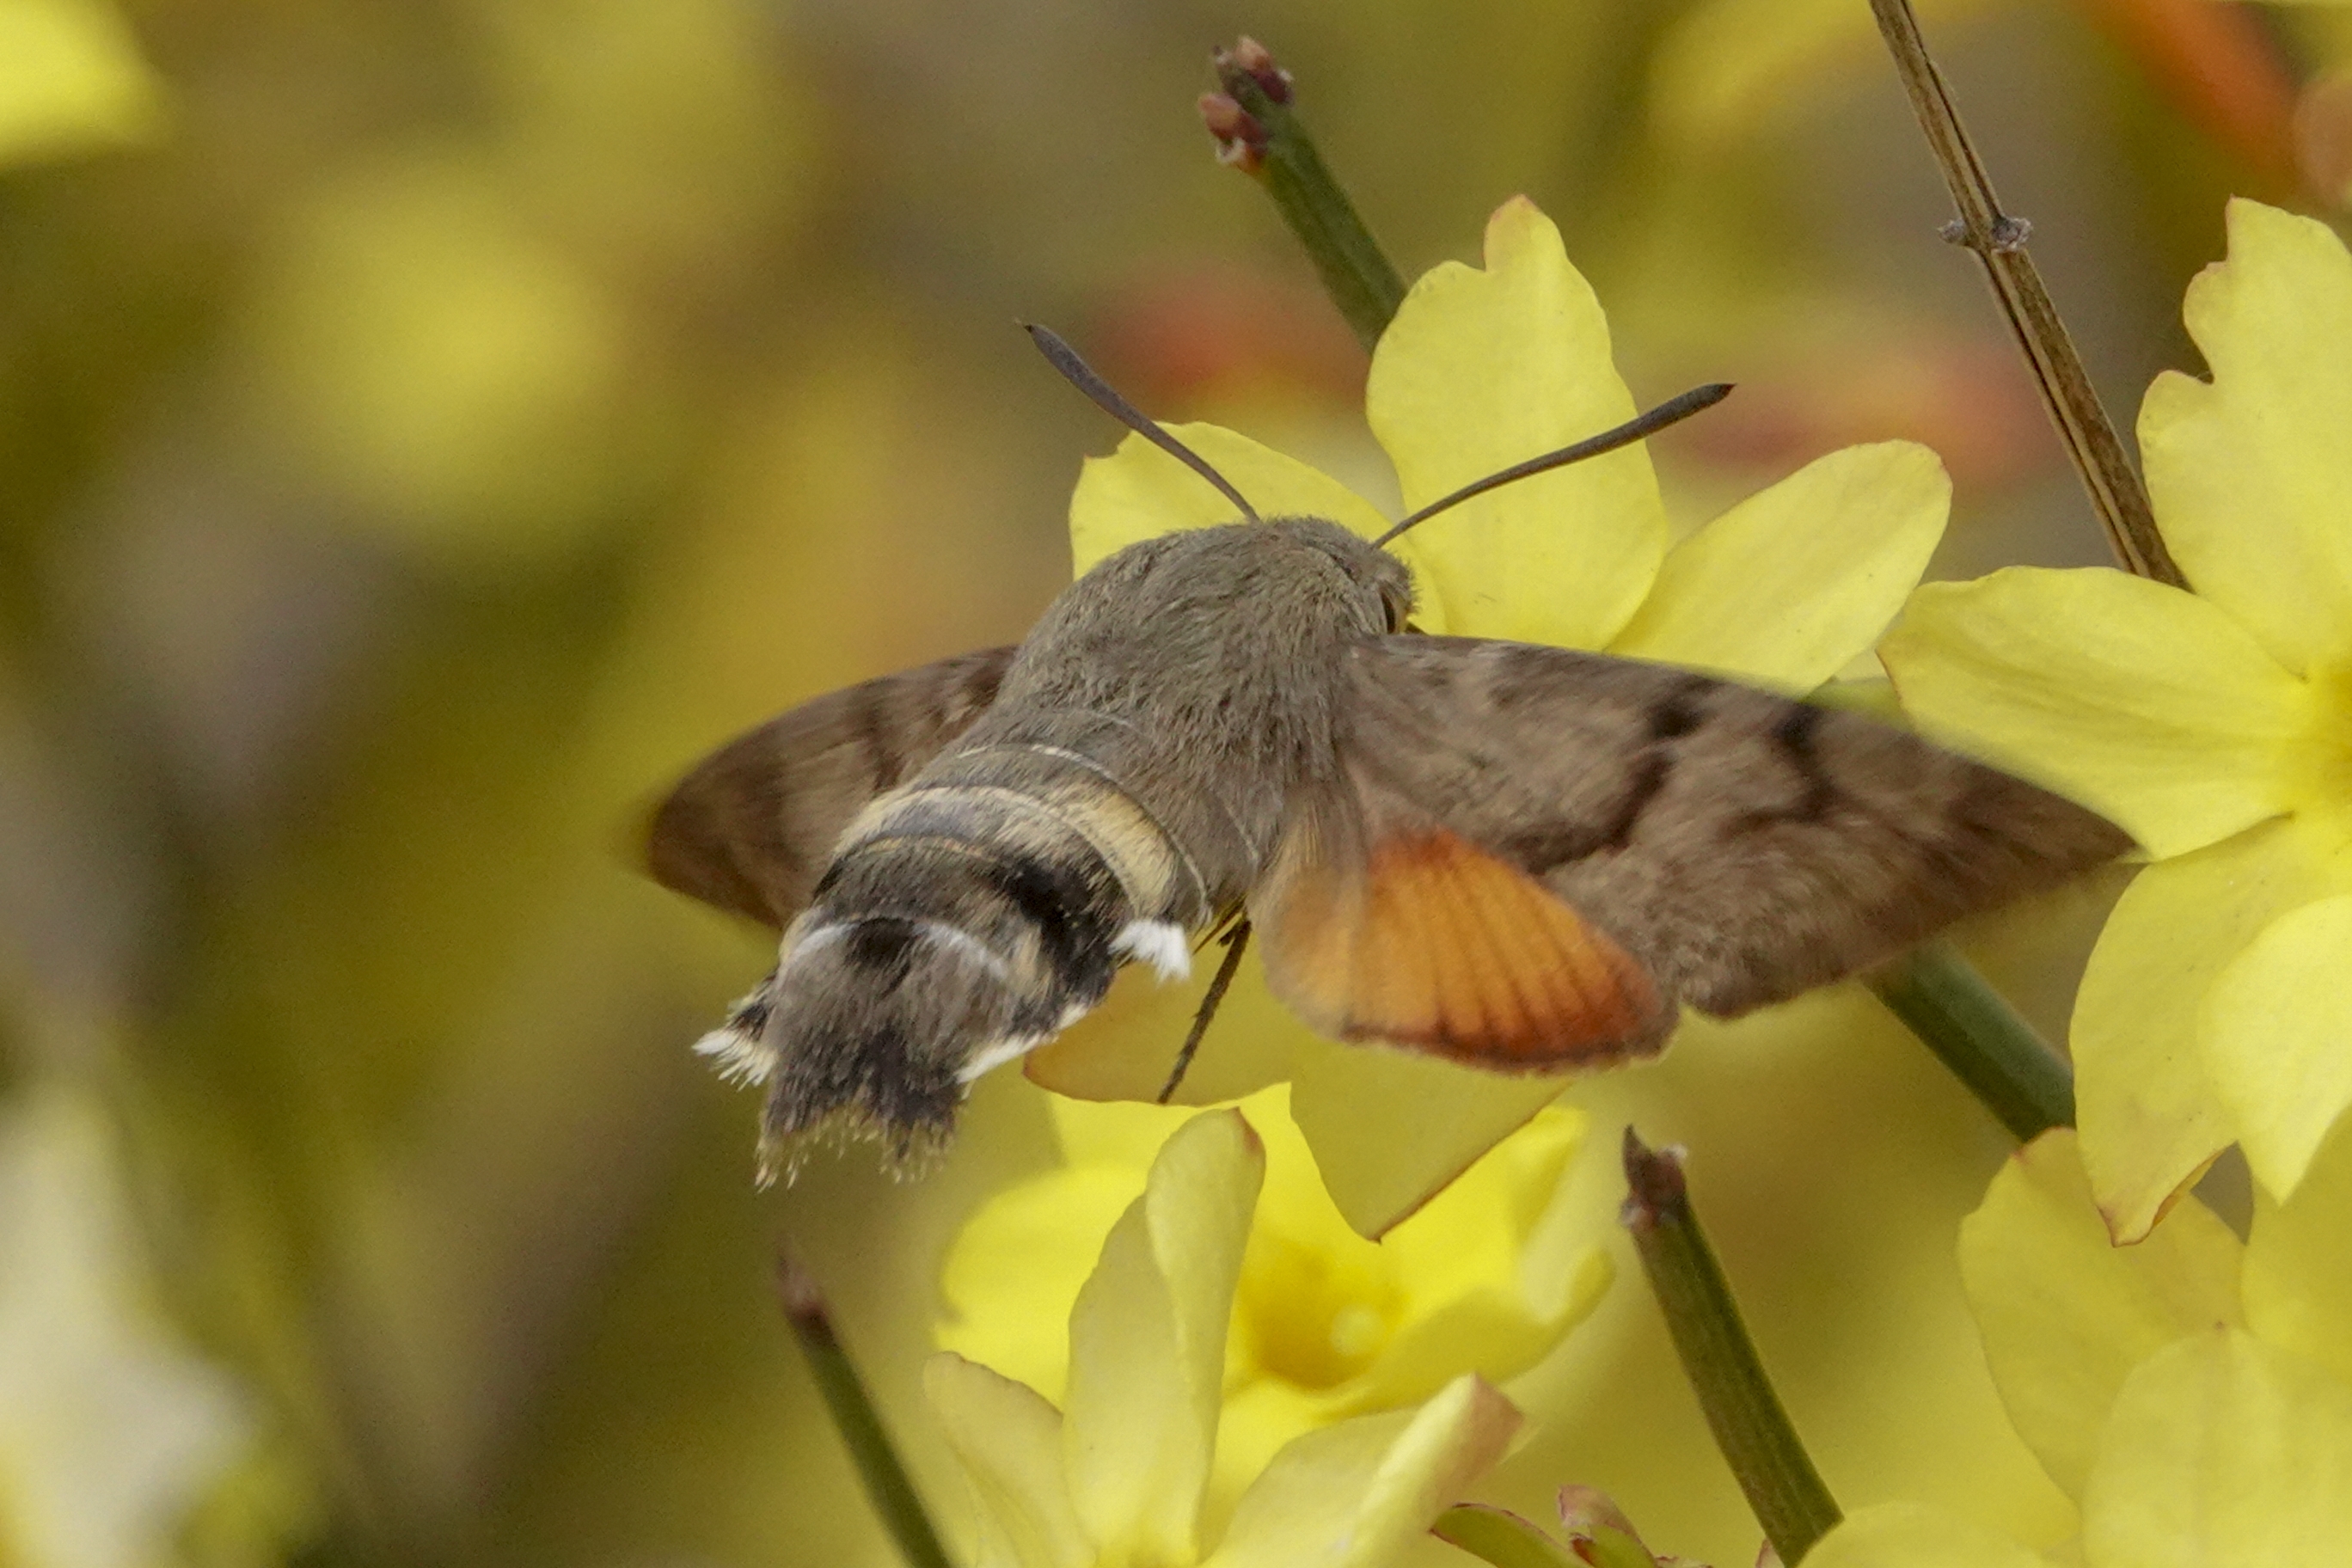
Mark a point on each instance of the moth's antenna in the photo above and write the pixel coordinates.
(1080, 374)
(1235, 940)
(1671, 412)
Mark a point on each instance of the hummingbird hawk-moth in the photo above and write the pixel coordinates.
(1522, 857)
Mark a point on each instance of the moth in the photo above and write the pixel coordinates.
(1525, 858)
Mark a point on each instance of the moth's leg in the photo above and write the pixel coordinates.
(1235, 940)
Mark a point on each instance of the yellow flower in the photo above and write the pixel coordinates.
(2193, 1395)
(108, 1430)
(1479, 370)
(1326, 1325)
(1117, 1476)
(2215, 726)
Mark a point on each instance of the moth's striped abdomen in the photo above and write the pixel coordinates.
(966, 917)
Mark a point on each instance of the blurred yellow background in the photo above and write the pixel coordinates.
(425, 428)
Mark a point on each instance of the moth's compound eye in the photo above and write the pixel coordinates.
(1395, 607)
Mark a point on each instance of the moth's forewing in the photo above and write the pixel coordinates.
(1732, 847)
(752, 828)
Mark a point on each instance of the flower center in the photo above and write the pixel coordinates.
(1312, 1316)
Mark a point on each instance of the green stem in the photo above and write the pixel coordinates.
(2026, 1086)
(1267, 139)
(889, 1488)
(1753, 1433)
(1999, 242)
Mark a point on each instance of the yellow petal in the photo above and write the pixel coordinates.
(1495, 1333)
(1123, 1049)
(2277, 1033)
(2145, 703)
(1497, 1269)
(1147, 1344)
(1010, 1443)
(1389, 1129)
(2066, 1314)
(1261, 1418)
(2149, 1117)
(1786, 588)
(1140, 492)
(1015, 1269)
(1909, 1535)
(2249, 473)
(2298, 1278)
(1014, 1272)
(1475, 1235)
(2223, 1452)
(1357, 1494)
(1123, 1133)
(1293, 1205)
(1484, 369)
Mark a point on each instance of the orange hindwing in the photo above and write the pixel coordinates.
(1438, 945)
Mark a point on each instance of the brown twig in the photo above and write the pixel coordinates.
(1999, 241)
